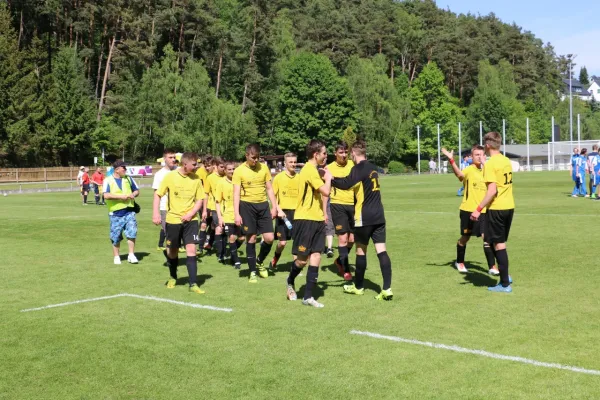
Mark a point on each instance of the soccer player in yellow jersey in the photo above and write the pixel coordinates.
(225, 215)
(185, 192)
(342, 209)
(498, 176)
(309, 222)
(474, 190)
(205, 225)
(210, 187)
(285, 188)
(251, 188)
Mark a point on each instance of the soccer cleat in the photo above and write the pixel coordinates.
(351, 289)
(273, 264)
(207, 246)
(117, 260)
(312, 302)
(237, 265)
(132, 259)
(347, 276)
(386, 295)
(171, 283)
(160, 248)
(182, 249)
(499, 288)
(262, 271)
(220, 260)
(291, 293)
(574, 195)
(493, 271)
(196, 289)
(252, 278)
(461, 268)
(593, 195)
(339, 266)
(509, 279)
(329, 252)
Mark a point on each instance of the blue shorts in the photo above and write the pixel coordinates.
(127, 223)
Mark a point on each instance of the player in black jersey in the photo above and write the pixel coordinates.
(369, 220)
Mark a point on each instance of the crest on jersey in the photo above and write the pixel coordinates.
(302, 248)
(245, 228)
(168, 243)
(278, 234)
(338, 227)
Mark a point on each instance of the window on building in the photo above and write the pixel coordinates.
(598, 91)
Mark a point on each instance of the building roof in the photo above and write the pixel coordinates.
(535, 150)
(575, 84)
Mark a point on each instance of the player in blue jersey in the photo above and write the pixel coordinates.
(593, 166)
(467, 160)
(574, 171)
(583, 167)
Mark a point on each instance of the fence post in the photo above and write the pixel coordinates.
(45, 175)
(17, 175)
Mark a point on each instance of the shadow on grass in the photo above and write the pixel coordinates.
(479, 279)
(323, 286)
(140, 256)
(200, 279)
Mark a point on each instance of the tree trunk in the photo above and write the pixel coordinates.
(181, 47)
(219, 71)
(250, 61)
(380, 46)
(106, 73)
(20, 32)
(392, 71)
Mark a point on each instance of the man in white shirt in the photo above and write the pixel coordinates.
(170, 160)
(432, 166)
(79, 183)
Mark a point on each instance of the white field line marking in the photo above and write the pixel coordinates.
(136, 296)
(518, 214)
(482, 353)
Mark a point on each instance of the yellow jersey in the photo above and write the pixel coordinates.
(224, 196)
(475, 189)
(339, 196)
(285, 187)
(210, 187)
(252, 182)
(184, 191)
(499, 170)
(309, 205)
(202, 173)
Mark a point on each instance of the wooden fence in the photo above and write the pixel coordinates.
(8, 175)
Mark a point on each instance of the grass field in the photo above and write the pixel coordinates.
(54, 251)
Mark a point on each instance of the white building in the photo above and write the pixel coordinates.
(594, 88)
(576, 88)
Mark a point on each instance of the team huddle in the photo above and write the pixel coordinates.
(219, 206)
(581, 164)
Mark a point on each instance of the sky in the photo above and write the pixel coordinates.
(572, 28)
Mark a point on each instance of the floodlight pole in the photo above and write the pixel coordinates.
(459, 145)
(419, 148)
(579, 132)
(528, 166)
(552, 140)
(481, 133)
(439, 156)
(504, 136)
(571, 99)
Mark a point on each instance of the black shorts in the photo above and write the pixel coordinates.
(256, 218)
(214, 216)
(85, 187)
(469, 227)
(343, 218)
(281, 231)
(175, 233)
(309, 237)
(362, 234)
(96, 189)
(232, 229)
(209, 217)
(497, 225)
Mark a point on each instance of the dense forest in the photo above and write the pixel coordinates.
(132, 76)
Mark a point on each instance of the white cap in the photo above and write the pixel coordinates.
(81, 167)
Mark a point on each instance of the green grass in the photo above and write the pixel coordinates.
(54, 250)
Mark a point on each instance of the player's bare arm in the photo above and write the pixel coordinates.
(237, 189)
(346, 183)
(271, 196)
(492, 190)
(192, 213)
(450, 156)
(155, 209)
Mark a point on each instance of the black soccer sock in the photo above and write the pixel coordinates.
(359, 274)
(294, 272)
(460, 253)
(239, 243)
(224, 245)
(251, 256)
(312, 276)
(347, 265)
(192, 266)
(277, 256)
(343, 257)
(102, 198)
(219, 245)
(489, 255)
(386, 269)
(161, 238)
(233, 249)
(202, 238)
(97, 198)
(502, 257)
(85, 198)
(265, 249)
(172, 263)
(211, 237)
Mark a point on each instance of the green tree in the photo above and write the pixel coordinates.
(583, 76)
(314, 103)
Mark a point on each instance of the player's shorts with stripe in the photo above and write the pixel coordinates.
(362, 234)
(343, 218)
(309, 237)
(497, 225)
(176, 233)
(468, 227)
(281, 230)
(256, 218)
